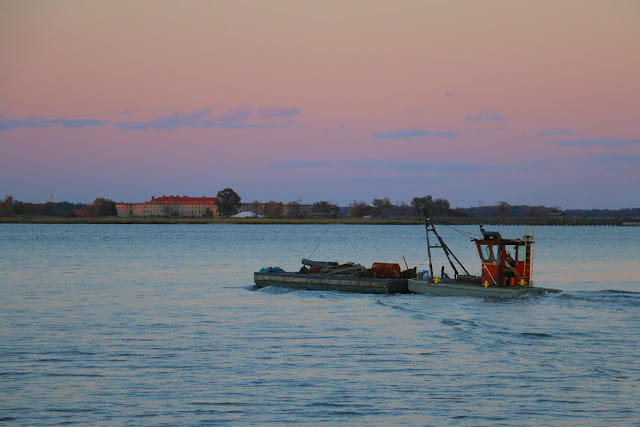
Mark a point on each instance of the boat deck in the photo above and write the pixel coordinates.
(474, 290)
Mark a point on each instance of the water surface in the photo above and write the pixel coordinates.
(159, 325)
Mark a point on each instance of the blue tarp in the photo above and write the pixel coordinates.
(271, 270)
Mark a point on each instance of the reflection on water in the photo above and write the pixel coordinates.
(152, 324)
(624, 274)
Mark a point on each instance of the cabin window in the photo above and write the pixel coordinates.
(517, 253)
(487, 253)
(494, 253)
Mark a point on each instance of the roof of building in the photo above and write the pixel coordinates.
(182, 199)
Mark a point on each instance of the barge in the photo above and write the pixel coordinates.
(382, 278)
(502, 276)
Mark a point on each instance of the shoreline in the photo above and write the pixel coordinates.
(341, 220)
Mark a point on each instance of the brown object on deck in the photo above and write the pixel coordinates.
(386, 270)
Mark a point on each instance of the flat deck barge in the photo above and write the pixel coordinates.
(323, 282)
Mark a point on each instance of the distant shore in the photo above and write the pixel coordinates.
(339, 220)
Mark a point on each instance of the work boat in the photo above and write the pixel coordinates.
(506, 268)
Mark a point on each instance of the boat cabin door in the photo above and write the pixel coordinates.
(489, 256)
(517, 264)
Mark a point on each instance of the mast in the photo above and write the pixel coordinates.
(426, 226)
(443, 245)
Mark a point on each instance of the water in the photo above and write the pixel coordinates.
(159, 325)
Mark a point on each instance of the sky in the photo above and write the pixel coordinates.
(478, 102)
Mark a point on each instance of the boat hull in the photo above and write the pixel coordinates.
(322, 282)
(474, 290)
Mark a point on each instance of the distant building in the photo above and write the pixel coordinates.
(181, 206)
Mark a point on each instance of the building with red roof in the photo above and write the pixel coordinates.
(179, 206)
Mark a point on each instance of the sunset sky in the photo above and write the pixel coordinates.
(528, 102)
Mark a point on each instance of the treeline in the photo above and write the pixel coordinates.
(604, 213)
(100, 207)
(229, 204)
(384, 208)
(380, 208)
(504, 210)
(277, 210)
(441, 208)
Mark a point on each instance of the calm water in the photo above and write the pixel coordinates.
(159, 325)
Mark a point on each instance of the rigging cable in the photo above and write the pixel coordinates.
(461, 232)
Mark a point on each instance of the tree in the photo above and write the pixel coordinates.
(403, 209)
(325, 208)
(18, 208)
(273, 209)
(294, 210)
(228, 202)
(420, 203)
(382, 207)
(66, 208)
(503, 210)
(527, 211)
(47, 209)
(359, 209)
(5, 205)
(257, 208)
(103, 207)
(438, 207)
(458, 212)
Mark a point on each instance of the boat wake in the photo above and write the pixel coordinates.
(609, 295)
(395, 307)
(273, 290)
